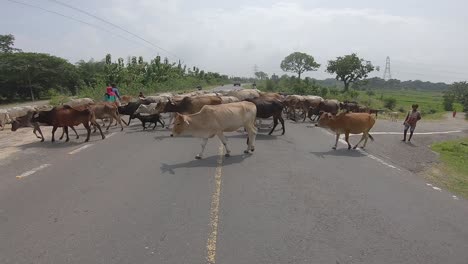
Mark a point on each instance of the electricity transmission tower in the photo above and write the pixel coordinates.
(387, 73)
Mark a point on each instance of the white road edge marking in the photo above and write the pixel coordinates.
(455, 197)
(80, 149)
(342, 141)
(416, 133)
(214, 211)
(30, 172)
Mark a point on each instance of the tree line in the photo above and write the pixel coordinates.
(32, 76)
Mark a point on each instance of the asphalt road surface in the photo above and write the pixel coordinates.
(140, 197)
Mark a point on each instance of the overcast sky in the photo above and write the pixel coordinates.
(425, 39)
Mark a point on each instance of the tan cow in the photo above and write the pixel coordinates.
(104, 110)
(348, 123)
(229, 99)
(213, 120)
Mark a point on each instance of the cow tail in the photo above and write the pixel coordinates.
(370, 136)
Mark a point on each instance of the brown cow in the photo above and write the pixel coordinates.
(348, 123)
(67, 116)
(25, 121)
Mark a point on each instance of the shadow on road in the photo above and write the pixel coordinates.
(259, 136)
(209, 162)
(340, 153)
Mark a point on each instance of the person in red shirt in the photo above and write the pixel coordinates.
(410, 122)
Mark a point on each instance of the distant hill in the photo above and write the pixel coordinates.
(393, 84)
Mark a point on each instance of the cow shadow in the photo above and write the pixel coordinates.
(208, 162)
(58, 144)
(258, 137)
(343, 152)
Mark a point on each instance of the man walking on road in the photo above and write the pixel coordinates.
(410, 122)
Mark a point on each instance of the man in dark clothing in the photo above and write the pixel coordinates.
(115, 90)
(410, 122)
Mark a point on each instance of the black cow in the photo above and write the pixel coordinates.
(129, 110)
(268, 107)
(155, 119)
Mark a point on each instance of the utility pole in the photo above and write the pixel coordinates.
(387, 74)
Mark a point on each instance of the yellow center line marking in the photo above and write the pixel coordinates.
(214, 211)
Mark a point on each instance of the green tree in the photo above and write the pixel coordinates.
(7, 43)
(390, 102)
(349, 69)
(32, 75)
(449, 99)
(299, 63)
(261, 75)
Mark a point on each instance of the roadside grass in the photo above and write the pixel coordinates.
(452, 172)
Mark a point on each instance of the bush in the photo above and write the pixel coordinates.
(448, 102)
(401, 109)
(370, 93)
(323, 91)
(269, 86)
(390, 102)
(58, 100)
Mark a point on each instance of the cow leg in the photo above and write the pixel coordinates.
(37, 128)
(118, 120)
(77, 136)
(364, 137)
(143, 124)
(65, 129)
(129, 119)
(161, 122)
(110, 123)
(88, 130)
(35, 131)
(94, 126)
(275, 123)
(251, 131)
(365, 140)
(282, 123)
(224, 141)
(100, 131)
(155, 124)
(347, 139)
(53, 133)
(336, 141)
(203, 145)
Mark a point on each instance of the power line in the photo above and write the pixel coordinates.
(75, 19)
(112, 24)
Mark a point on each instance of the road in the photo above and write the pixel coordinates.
(140, 197)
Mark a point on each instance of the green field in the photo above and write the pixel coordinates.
(453, 172)
(430, 103)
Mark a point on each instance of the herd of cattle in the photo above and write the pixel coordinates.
(200, 114)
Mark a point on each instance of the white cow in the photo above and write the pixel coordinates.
(147, 109)
(244, 94)
(214, 120)
(4, 118)
(79, 102)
